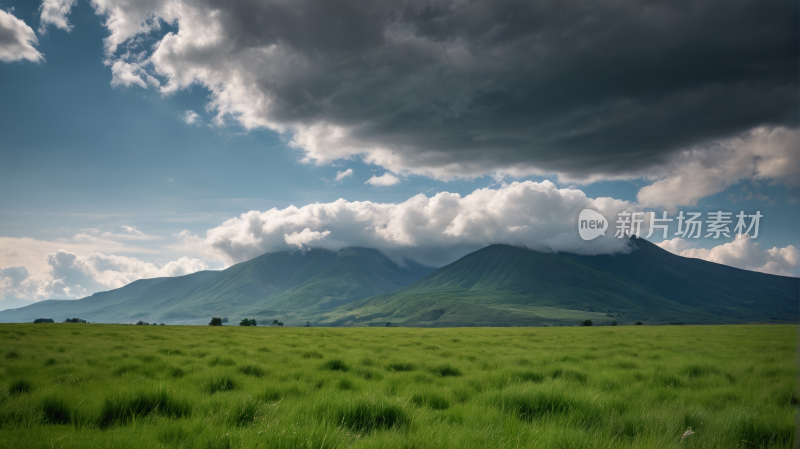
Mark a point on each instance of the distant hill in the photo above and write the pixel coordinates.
(499, 285)
(273, 285)
(506, 286)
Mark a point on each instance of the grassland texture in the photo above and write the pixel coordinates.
(109, 386)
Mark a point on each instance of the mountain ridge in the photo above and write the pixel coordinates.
(498, 285)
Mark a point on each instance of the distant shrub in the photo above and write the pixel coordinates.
(43, 320)
(346, 385)
(245, 414)
(142, 323)
(431, 400)
(55, 411)
(74, 320)
(224, 361)
(215, 321)
(335, 365)
(586, 323)
(368, 374)
(123, 409)
(176, 372)
(366, 415)
(252, 370)
(528, 405)
(614, 323)
(568, 375)
(216, 384)
(638, 323)
(447, 370)
(530, 376)
(19, 386)
(401, 366)
(245, 322)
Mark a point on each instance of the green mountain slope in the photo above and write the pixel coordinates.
(299, 281)
(722, 290)
(354, 273)
(505, 285)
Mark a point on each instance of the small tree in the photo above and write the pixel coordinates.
(389, 324)
(614, 323)
(274, 322)
(638, 323)
(253, 322)
(308, 324)
(586, 323)
(215, 321)
(280, 323)
(43, 320)
(245, 322)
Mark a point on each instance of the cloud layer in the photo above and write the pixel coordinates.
(598, 90)
(433, 230)
(17, 40)
(742, 253)
(79, 266)
(763, 154)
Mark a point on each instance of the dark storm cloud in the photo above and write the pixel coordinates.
(466, 88)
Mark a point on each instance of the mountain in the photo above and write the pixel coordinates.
(273, 285)
(505, 285)
(499, 285)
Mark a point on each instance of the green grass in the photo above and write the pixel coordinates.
(231, 387)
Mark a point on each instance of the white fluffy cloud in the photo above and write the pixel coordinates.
(126, 74)
(762, 154)
(385, 180)
(17, 40)
(344, 174)
(191, 118)
(117, 271)
(743, 253)
(433, 230)
(33, 270)
(55, 12)
(131, 233)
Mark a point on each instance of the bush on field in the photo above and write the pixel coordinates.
(215, 321)
(368, 413)
(19, 386)
(123, 409)
(335, 365)
(55, 411)
(221, 383)
(43, 320)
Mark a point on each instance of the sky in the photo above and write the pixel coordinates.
(146, 138)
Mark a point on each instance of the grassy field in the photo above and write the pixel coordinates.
(106, 386)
